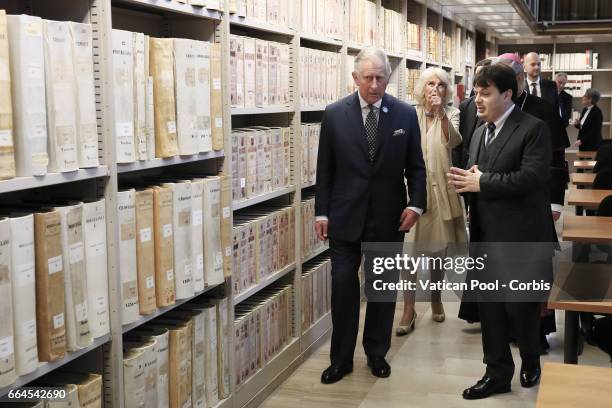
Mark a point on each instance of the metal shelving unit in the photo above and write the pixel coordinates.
(172, 18)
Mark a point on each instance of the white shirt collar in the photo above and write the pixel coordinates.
(499, 123)
(365, 104)
(537, 81)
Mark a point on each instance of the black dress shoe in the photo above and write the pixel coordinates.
(379, 367)
(486, 387)
(335, 373)
(530, 374)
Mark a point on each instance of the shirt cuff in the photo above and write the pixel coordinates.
(321, 218)
(556, 207)
(416, 210)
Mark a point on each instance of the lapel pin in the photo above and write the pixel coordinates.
(385, 109)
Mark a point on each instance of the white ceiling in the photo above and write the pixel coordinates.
(497, 18)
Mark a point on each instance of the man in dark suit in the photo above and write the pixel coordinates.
(509, 204)
(590, 122)
(547, 90)
(468, 122)
(565, 99)
(369, 143)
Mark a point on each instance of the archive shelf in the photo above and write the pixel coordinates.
(260, 25)
(319, 329)
(316, 108)
(238, 205)
(320, 39)
(175, 7)
(316, 253)
(46, 368)
(309, 184)
(256, 388)
(170, 161)
(262, 110)
(50, 179)
(160, 311)
(267, 281)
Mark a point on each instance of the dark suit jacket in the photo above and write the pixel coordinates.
(590, 133)
(548, 88)
(513, 203)
(544, 111)
(468, 122)
(565, 103)
(349, 188)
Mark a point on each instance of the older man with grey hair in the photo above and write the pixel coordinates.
(369, 150)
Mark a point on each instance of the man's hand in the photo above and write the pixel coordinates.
(578, 143)
(465, 181)
(408, 219)
(556, 215)
(321, 229)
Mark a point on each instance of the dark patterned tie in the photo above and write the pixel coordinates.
(534, 89)
(490, 134)
(370, 128)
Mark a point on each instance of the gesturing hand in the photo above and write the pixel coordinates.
(465, 181)
(321, 229)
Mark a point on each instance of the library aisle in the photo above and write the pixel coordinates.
(429, 368)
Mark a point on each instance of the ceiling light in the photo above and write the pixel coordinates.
(470, 2)
(498, 23)
(511, 35)
(505, 30)
(491, 17)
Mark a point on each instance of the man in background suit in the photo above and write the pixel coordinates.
(565, 99)
(509, 203)
(369, 144)
(547, 90)
(468, 122)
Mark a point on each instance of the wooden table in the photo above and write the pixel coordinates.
(582, 165)
(573, 386)
(586, 198)
(587, 229)
(587, 154)
(579, 230)
(583, 179)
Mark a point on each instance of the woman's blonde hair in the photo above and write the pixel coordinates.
(425, 77)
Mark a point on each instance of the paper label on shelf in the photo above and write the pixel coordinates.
(34, 28)
(81, 311)
(25, 274)
(187, 269)
(34, 72)
(170, 275)
(125, 129)
(242, 182)
(28, 330)
(216, 84)
(171, 127)
(226, 212)
(218, 259)
(58, 321)
(76, 253)
(145, 235)
(6, 347)
(228, 251)
(101, 302)
(219, 122)
(150, 282)
(200, 262)
(167, 230)
(40, 159)
(6, 138)
(98, 249)
(55, 264)
(197, 217)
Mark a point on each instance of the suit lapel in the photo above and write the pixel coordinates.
(355, 120)
(504, 135)
(475, 144)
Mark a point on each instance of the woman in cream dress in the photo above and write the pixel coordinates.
(443, 224)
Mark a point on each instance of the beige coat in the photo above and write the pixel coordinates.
(443, 222)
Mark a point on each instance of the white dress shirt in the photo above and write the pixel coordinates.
(364, 113)
(537, 82)
(585, 115)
